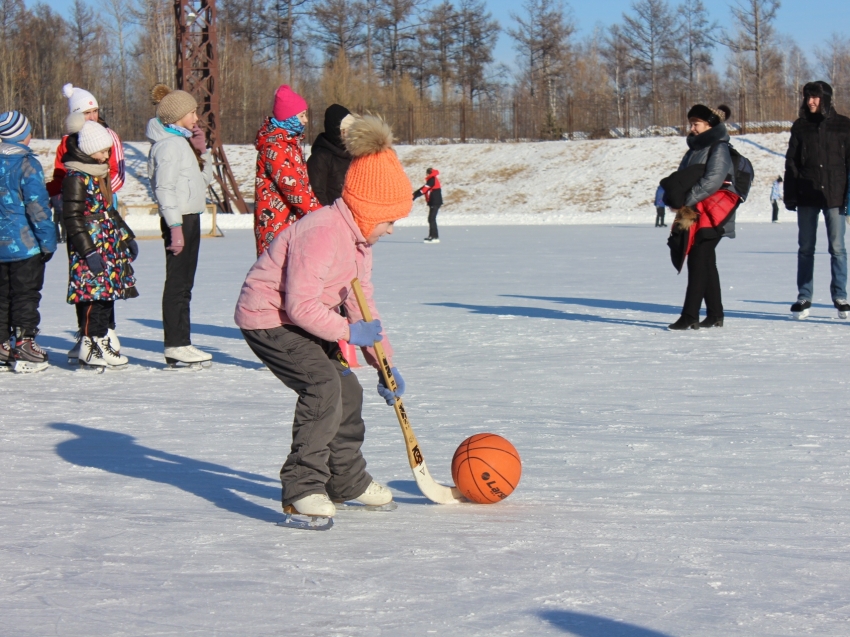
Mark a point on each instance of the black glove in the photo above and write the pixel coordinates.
(417, 194)
(134, 249)
(790, 205)
(95, 263)
(46, 256)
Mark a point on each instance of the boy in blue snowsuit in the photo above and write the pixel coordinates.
(27, 241)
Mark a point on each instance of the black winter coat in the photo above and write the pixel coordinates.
(817, 161)
(326, 168)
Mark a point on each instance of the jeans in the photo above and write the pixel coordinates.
(807, 224)
(659, 216)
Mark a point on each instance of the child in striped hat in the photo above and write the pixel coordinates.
(27, 241)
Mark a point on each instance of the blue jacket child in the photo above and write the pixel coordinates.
(27, 241)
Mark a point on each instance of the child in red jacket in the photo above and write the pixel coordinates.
(282, 192)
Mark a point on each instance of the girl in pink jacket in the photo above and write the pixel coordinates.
(289, 313)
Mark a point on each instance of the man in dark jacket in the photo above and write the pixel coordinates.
(816, 167)
(329, 159)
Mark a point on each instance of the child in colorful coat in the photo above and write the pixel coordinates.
(100, 244)
(27, 241)
(282, 192)
(289, 313)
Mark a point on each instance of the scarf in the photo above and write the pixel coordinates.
(291, 125)
(178, 130)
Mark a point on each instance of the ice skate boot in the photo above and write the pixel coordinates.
(91, 355)
(74, 352)
(842, 306)
(113, 338)
(186, 357)
(684, 323)
(110, 355)
(6, 359)
(312, 513)
(27, 355)
(800, 309)
(376, 497)
(431, 240)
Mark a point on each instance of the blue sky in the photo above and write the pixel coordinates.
(808, 22)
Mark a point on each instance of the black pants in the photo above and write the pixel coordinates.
(432, 222)
(328, 429)
(95, 318)
(179, 281)
(703, 281)
(20, 294)
(659, 216)
(775, 210)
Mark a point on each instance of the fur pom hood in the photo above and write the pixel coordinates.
(368, 135)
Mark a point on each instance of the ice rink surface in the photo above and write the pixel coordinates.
(674, 484)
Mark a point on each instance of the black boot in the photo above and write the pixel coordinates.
(712, 321)
(684, 323)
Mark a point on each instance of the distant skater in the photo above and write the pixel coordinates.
(434, 198)
(660, 208)
(776, 197)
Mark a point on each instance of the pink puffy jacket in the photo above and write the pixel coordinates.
(305, 276)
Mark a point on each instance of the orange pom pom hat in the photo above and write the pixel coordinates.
(376, 187)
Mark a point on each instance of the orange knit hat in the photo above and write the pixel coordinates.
(376, 187)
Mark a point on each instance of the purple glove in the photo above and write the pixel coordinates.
(95, 263)
(365, 334)
(176, 245)
(198, 140)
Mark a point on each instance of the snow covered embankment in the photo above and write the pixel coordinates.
(536, 183)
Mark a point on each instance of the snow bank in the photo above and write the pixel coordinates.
(527, 183)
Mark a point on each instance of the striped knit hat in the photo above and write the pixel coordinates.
(376, 187)
(14, 126)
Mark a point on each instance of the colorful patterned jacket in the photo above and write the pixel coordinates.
(282, 192)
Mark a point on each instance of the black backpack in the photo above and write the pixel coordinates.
(744, 173)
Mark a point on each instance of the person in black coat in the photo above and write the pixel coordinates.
(329, 159)
(816, 167)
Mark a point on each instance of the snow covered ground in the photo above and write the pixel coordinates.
(675, 484)
(547, 183)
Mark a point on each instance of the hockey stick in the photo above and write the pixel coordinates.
(430, 488)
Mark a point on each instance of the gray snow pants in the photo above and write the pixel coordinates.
(328, 430)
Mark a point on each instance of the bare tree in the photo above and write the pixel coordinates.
(834, 61)
(439, 43)
(339, 24)
(697, 36)
(754, 36)
(475, 38)
(618, 62)
(649, 32)
(542, 38)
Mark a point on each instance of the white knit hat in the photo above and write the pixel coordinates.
(93, 138)
(79, 100)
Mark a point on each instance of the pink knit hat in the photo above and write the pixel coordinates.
(287, 103)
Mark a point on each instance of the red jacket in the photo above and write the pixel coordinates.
(713, 211)
(116, 166)
(282, 193)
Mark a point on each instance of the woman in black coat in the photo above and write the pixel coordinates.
(329, 159)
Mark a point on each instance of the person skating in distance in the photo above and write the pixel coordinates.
(775, 198)
(289, 314)
(433, 192)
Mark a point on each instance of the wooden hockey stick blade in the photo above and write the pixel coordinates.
(429, 487)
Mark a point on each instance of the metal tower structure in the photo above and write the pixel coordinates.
(197, 73)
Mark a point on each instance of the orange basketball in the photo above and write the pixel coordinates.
(486, 468)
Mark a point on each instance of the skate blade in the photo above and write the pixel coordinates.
(294, 520)
(357, 506)
(92, 369)
(172, 364)
(28, 367)
(801, 315)
(842, 315)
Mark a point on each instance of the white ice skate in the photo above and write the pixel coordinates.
(186, 357)
(113, 338)
(312, 513)
(376, 497)
(90, 355)
(74, 352)
(800, 309)
(110, 353)
(843, 308)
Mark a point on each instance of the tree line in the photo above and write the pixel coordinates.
(419, 60)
